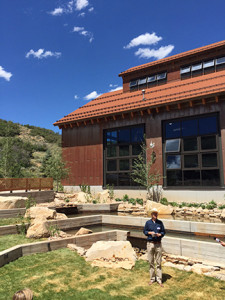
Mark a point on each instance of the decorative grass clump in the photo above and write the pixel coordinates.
(62, 274)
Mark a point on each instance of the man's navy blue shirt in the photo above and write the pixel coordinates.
(157, 227)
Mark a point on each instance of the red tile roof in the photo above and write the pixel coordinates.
(174, 57)
(118, 102)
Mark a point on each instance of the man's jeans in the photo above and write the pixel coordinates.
(155, 256)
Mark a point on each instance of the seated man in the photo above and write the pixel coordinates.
(154, 230)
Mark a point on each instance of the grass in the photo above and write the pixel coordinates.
(10, 221)
(8, 241)
(62, 274)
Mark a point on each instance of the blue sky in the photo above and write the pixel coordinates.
(57, 55)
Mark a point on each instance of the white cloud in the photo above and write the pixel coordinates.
(92, 95)
(144, 39)
(84, 32)
(42, 54)
(113, 85)
(81, 4)
(76, 97)
(81, 14)
(57, 11)
(155, 53)
(116, 89)
(4, 74)
(91, 9)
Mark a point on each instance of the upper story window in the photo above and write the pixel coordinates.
(146, 82)
(201, 68)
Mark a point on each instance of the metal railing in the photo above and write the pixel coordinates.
(15, 184)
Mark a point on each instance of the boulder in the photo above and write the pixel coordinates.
(12, 202)
(222, 216)
(43, 212)
(104, 197)
(83, 197)
(162, 209)
(38, 230)
(201, 269)
(111, 250)
(83, 230)
(60, 216)
(59, 203)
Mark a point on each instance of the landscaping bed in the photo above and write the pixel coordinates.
(63, 274)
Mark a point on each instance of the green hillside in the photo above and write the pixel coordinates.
(23, 149)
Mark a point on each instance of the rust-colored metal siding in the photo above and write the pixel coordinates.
(83, 146)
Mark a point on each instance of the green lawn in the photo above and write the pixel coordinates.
(10, 221)
(8, 241)
(62, 274)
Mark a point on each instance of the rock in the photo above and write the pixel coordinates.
(187, 268)
(83, 230)
(83, 197)
(104, 197)
(162, 209)
(168, 264)
(80, 250)
(43, 212)
(60, 216)
(59, 203)
(200, 268)
(222, 216)
(120, 253)
(38, 230)
(12, 202)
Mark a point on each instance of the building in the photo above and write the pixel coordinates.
(178, 103)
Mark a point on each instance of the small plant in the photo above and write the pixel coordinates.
(85, 188)
(30, 202)
(139, 201)
(125, 198)
(164, 201)
(22, 227)
(54, 230)
(94, 202)
(221, 206)
(67, 200)
(111, 191)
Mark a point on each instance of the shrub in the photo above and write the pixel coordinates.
(164, 201)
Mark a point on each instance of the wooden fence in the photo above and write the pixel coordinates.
(15, 184)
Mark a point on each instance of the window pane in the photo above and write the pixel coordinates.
(173, 162)
(111, 151)
(151, 78)
(173, 129)
(124, 135)
(111, 137)
(161, 76)
(173, 145)
(208, 64)
(133, 83)
(192, 178)
(196, 67)
(208, 125)
(208, 142)
(185, 70)
(210, 177)
(137, 134)
(190, 127)
(190, 144)
(124, 150)
(136, 149)
(124, 179)
(174, 178)
(209, 160)
(142, 81)
(111, 165)
(111, 179)
(124, 164)
(190, 161)
(220, 60)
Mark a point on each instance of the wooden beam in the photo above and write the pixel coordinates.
(141, 112)
(98, 120)
(217, 99)
(149, 111)
(132, 115)
(106, 119)
(85, 123)
(114, 117)
(78, 124)
(92, 121)
(71, 125)
(157, 110)
(203, 101)
(167, 108)
(123, 116)
(64, 125)
(178, 106)
(190, 103)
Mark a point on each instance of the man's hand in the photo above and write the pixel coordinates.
(158, 234)
(151, 232)
(222, 243)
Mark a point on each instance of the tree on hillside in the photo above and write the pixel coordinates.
(144, 175)
(54, 166)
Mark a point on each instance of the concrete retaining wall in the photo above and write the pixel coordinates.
(98, 207)
(85, 241)
(39, 196)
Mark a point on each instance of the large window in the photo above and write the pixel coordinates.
(121, 147)
(191, 151)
